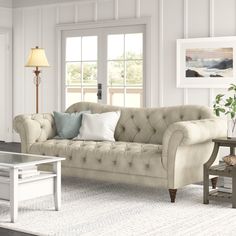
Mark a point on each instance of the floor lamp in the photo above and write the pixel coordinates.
(37, 58)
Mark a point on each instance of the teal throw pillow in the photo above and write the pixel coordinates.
(68, 124)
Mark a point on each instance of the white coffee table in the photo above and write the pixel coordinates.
(14, 189)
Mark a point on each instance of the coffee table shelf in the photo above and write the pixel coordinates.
(42, 175)
(216, 195)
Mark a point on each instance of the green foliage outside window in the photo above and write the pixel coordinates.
(116, 72)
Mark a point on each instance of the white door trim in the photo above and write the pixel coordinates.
(8, 103)
(103, 24)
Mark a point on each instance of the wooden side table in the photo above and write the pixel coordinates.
(220, 170)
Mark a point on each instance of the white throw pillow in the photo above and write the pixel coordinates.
(98, 126)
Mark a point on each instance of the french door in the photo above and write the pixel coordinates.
(104, 65)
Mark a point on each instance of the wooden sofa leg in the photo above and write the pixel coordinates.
(214, 182)
(172, 193)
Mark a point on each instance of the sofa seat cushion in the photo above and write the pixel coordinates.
(119, 157)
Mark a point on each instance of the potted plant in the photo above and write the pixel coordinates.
(226, 104)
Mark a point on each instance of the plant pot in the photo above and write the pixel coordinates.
(231, 127)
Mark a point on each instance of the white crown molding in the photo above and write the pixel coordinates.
(32, 3)
(5, 3)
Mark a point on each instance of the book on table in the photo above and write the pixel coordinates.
(24, 172)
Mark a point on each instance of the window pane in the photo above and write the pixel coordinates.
(89, 72)
(116, 96)
(115, 50)
(134, 72)
(115, 73)
(73, 95)
(73, 73)
(133, 97)
(90, 94)
(89, 48)
(73, 49)
(134, 46)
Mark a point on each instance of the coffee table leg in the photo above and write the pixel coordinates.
(14, 194)
(57, 185)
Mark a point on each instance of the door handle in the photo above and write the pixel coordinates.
(99, 91)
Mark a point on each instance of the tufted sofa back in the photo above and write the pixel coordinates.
(145, 125)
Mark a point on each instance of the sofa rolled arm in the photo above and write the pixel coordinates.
(34, 128)
(186, 133)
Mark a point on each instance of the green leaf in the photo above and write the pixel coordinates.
(222, 110)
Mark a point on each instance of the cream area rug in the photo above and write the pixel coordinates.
(98, 208)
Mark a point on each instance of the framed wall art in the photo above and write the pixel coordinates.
(206, 62)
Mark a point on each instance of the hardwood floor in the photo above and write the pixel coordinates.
(11, 147)
(7, 232)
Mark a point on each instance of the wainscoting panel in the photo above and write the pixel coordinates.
(49, 80)
(106, 9)
(31, 39)
(173, 28)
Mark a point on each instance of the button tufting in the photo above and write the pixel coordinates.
(123, 128)
(130, 164)
(84, 159)
(114, 162)
(148, 117)
(99, 160)
(132, 116)
(70, 157)
(147, 166)
(154, 130)
(199, 117)
(138, 129)
(163, 117)
(181, 117)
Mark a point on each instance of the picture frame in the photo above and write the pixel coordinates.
(206, 62)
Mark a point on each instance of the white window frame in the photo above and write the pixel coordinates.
(62, 28)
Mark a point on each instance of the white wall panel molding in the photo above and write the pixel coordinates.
(76, 14)
(58, 62)
(211, 33)
(95, 10)
(5, 8)
(161, 53)
(37, 3)
(6, 3)
(185, 36)
(116, 9)
(24, 56)
(6, 85)
(57, 15)
(138, 10)
(40, 44)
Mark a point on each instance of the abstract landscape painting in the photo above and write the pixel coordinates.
(209, 62)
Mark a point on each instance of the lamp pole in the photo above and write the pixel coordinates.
(37, 82)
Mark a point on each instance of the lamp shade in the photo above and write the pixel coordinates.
(37, 58)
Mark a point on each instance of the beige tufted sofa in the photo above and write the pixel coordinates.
(154, 146)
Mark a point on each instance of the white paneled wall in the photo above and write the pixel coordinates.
(170, 20)
(36, 26)
(5, 17)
